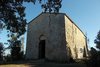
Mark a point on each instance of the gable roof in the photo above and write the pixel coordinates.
(58, 13)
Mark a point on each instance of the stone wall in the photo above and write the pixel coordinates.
(52, 27)
(60, 33)
(75, 39)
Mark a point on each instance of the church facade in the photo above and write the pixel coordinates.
(55, 37)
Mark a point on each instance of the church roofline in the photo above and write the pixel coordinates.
(35, 18)
(58, 13)
(75, 24)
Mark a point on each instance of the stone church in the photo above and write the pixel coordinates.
(55, 37)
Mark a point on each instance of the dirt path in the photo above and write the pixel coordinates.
(42, 64)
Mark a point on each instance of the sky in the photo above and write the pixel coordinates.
(84, 13)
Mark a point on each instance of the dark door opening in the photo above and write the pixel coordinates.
(42, 49)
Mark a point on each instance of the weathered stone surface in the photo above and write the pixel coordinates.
(63, 38)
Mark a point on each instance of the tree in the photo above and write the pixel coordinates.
(97, 40)
(93, 57)
(52, 6)
(12, 16)
(1, 51)
(95, 54)
(16, 50)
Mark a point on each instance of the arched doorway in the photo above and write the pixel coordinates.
(42, 42)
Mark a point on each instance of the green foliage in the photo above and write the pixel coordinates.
(12, 16)
(1, 51)
(94, 60)
(95, 54)
(97, 41)
(16, 50)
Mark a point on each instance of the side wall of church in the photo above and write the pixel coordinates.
(75, 39)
